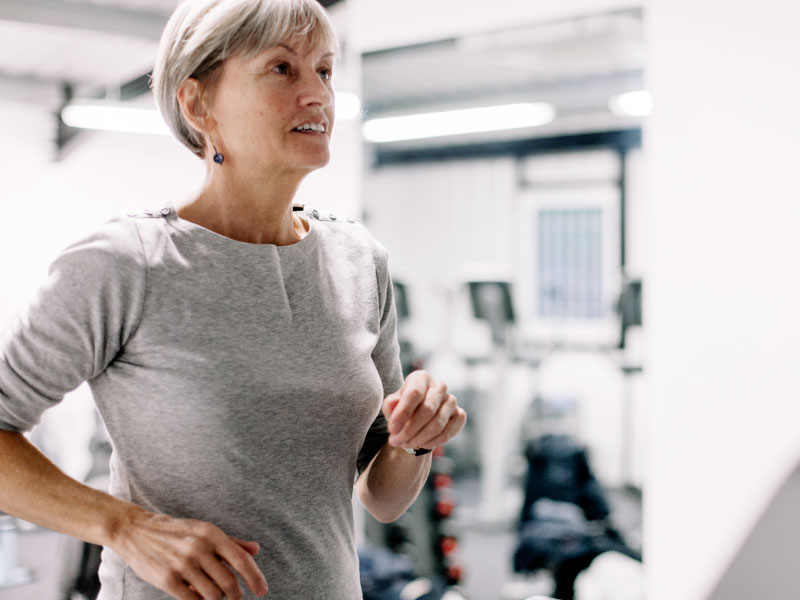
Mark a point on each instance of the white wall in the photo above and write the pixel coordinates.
(722, 152)
(435, 218)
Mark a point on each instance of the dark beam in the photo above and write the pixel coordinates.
(622, 139)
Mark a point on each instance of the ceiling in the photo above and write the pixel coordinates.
(521, 62)
(94, 48)
(575, 65)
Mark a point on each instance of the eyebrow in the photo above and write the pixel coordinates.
(293, 51)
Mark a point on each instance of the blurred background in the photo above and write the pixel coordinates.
(593, 241)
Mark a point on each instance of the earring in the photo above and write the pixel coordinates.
(218, 158)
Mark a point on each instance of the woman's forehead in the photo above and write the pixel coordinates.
(296, 47)
(304, 45)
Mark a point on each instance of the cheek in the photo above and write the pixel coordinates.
(245, 108)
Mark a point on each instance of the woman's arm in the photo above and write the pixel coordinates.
(179, 556)
(391, 482)
(34, 489)
(421, 414)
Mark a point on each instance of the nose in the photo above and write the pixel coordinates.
(315, 91)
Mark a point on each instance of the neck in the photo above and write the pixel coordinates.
(247, 208)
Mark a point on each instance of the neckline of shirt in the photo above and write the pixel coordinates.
(307, 242)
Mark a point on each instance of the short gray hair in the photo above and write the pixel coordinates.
(201, 34)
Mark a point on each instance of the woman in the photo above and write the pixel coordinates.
(243, 358)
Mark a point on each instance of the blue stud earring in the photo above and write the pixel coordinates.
(218, 158)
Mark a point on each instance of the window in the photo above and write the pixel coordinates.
(570, 263)
(568, 252)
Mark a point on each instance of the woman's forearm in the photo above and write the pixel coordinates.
(392, 481)
(34, 489)
(162, 550)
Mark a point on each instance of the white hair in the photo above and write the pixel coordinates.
(201, 34)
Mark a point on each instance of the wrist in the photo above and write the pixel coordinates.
(120, 522)
(418, 451)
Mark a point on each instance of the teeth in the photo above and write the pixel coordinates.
(311, 126)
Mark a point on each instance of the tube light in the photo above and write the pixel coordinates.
(348, 106)
(108, 116)
(631, 104)
(114, 117)
(455, 122)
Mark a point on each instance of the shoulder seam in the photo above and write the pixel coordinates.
(148, 213)
(146, 282)
(326, 216)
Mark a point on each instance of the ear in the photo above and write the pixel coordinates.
(192, 102)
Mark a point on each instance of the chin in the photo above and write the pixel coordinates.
(311, 167)
(318, 164)
(309, 161)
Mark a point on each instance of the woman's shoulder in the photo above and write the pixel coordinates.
(106, 257)
(123, 239)
(115, 237)
(150, 225)
(347, 228)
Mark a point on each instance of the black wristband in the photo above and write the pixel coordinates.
(418, 451)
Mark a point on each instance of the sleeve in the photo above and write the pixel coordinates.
(76, 323)
(385, 355)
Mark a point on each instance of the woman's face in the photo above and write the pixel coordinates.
(264, 105)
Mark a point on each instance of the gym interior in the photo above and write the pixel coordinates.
(608, 285)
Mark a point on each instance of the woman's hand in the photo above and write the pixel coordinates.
(187, 558)
(422, 414)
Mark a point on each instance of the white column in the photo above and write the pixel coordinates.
(722, 295)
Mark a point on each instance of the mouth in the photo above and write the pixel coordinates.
(311, 128)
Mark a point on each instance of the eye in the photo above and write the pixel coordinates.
(326, 74)
(282, 68)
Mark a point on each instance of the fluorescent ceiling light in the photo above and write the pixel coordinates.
(114, 117)
(455, 122)
(117, 116)
(348, 106)
(631, 104)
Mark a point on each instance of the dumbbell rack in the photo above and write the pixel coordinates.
(441, 503)
(426, 533)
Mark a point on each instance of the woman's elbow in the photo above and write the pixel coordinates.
(384, 516)
(379, 510)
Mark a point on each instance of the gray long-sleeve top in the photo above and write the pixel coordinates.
(240, 384)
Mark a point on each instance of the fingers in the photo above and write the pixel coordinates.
(198, 567)
(454, 425)
(176, 587)
(424, 414)
(205, 561)
(252, 547)
(390, 404)
(419, 393)
(221, 578)
(411, 395)
(435, 425)
(204, 587)
(189, 559)
(241, 560)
